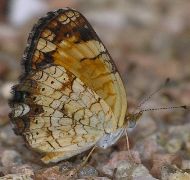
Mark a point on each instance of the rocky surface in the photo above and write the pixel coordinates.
(149, 41)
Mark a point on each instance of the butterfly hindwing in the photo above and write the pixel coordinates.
(63, 114)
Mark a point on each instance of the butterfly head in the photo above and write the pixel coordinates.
(131, 119)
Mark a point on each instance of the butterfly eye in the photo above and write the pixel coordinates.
(132, 124)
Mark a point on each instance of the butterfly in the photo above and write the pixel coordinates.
(70, 96)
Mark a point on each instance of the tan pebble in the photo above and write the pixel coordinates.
(160, 160)
(174, 145)
(10, 157)
(179, 176)
(185, 164)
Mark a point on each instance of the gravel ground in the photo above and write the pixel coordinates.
(149, 41)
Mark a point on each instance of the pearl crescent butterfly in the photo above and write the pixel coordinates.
(71, 96)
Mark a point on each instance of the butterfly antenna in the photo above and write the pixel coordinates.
(153, 93)
(166, 108)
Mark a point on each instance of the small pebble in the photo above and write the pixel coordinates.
(147, 147)
(185, 164)
(124, 155)
(179, 176)
(166, 170)
(174, 145)
(132, 171)
(65, 166)
(16, 177)
(160, 160)
(88, 171)
(10, 158)
(117, 158)
(51, 173)
(169, 172)
(23, 169)
(8, 137)
(6, 89)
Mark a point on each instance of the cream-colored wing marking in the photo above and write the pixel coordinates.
(59, 115)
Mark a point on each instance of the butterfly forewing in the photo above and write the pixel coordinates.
(71, 93)
(66, 38)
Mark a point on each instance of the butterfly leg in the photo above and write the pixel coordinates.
(128, 146)
(84, 162)
(87, 158)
